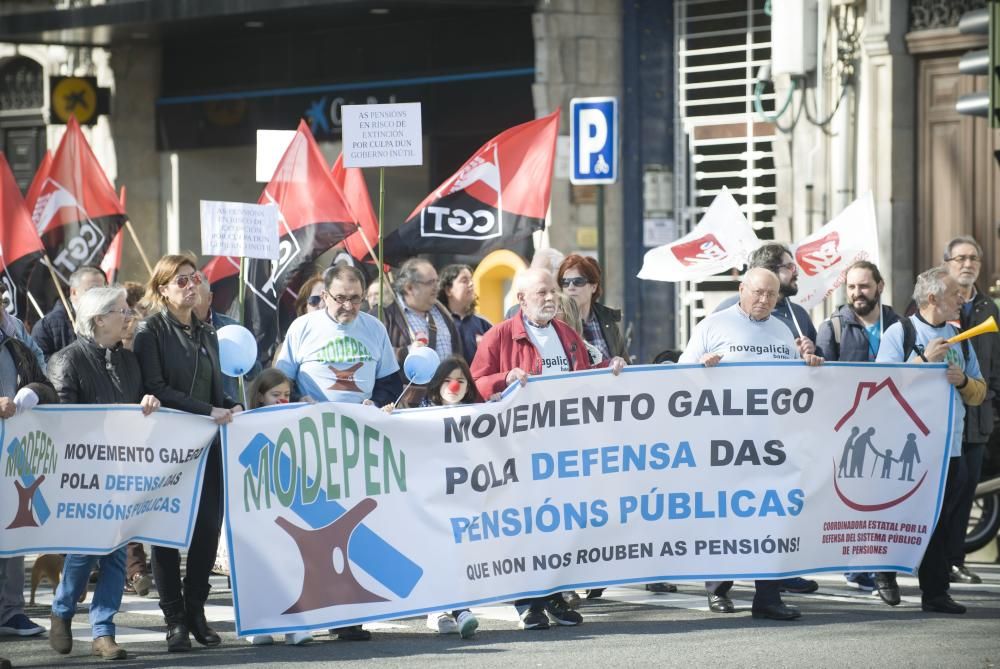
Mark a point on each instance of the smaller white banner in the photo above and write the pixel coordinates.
(382, 135)
(90, 478)
(239, 229)
(824, 256)
(721, 241)
(271, 146)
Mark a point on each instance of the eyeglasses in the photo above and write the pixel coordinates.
(577, 281)
(426, 282)
(182, 280)
(768, 294)
(961, 260)
(353, 300)
(124, 311)
(314, 300)
(787, 266)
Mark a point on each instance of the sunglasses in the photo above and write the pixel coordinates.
(314, 300)
(577, 281)
(183, 280)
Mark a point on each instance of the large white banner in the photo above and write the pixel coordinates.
(824, 256)
(722, 240)
(580, 480)
(90, 478)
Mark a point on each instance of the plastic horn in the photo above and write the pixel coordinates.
(989, 325)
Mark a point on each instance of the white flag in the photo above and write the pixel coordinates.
(721, 240)
(824, 256)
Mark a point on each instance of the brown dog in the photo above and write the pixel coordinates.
(49, 567)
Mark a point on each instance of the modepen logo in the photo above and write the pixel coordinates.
(29, 459)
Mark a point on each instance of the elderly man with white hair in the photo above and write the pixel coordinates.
(533, 342)
(746, 332)
(923, 338)
(96, 369)
(55, 331)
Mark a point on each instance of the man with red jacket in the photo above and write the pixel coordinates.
(532, 342)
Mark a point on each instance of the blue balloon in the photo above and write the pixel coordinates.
(237, 350)
(420, 364)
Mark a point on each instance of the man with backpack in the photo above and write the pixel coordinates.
(939, 301)
(854, 334)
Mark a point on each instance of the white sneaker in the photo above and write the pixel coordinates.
(260, 640)
(297, 638)
(442, 623)
(467, 624)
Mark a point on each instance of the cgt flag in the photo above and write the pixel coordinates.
(20, 247)
(499, 195)
(824, 256)
(75, 209)
(352, 183)
(721, 240)
(312, 216)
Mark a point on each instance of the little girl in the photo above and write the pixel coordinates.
(273, 387)
(452, 384)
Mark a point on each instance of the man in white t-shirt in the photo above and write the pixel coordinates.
(340, 354)
(746, 332)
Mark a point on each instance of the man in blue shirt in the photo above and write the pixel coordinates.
(939, 300)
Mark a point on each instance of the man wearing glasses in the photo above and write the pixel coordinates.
(416, 318)
(340, 354)
(964, 259)
(745, 332)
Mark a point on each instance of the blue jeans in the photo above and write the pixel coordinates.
(107, 595)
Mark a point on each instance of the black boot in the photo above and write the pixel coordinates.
(178, 640)
(202, 633)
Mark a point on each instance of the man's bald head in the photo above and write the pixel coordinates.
(759, 293)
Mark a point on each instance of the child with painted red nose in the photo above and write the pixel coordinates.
(452, 385)
(273, 387)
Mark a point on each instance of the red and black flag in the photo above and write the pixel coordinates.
(20, 247)
(75, 209)
(352, 183)
(312, 217)
(499, 195)
(36, 182)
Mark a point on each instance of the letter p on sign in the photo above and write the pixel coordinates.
(594, 137)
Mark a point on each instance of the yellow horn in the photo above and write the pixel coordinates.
(989, 325)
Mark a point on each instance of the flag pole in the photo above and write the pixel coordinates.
(240, 383)
(62, 295)
(31, 298)
(131, 231)
(381, 266)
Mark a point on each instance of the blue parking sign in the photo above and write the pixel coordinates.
(594, 136)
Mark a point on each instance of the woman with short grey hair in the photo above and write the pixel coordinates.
(96, 369)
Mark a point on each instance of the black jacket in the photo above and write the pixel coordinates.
(167, 358)
(609, 319)
(54, 332)
(29, 374)
(80, 374)
(979, 419)
(853, 346)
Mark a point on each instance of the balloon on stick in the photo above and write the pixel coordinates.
(237, 350)
(419, 367)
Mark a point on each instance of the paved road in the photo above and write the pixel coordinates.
(841, 627)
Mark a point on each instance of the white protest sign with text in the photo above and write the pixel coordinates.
(239, 229)
(382, 135)
(90, 478)
(678, 472)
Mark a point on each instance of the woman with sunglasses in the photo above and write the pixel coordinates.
(310, 297)
(179, 358)
(96, 369)
(580, 278)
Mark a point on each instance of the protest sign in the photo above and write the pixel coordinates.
(88, 479)
(239, 229)
(756, 470)
(382, 135)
